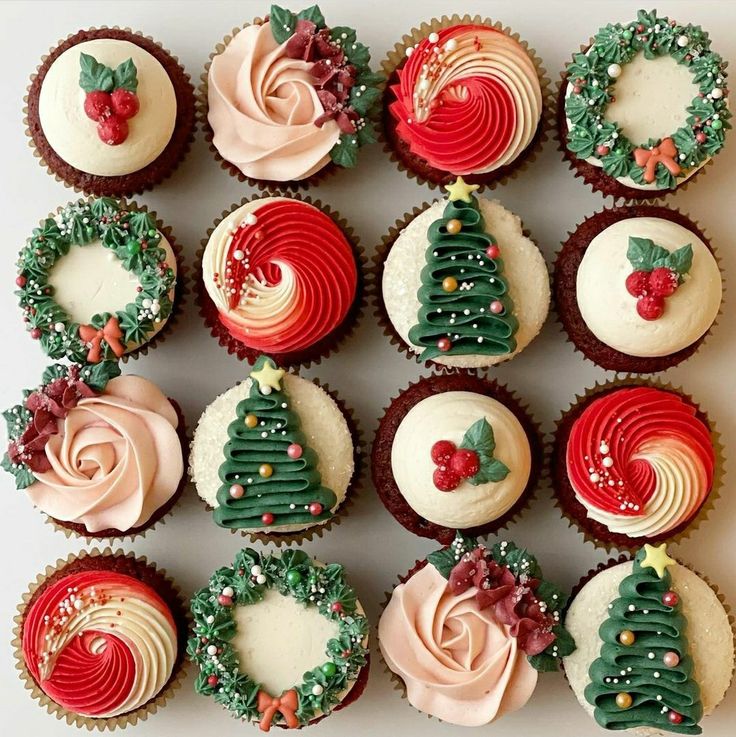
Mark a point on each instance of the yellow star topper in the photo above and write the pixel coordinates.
(268, 377)
(460, 190)
(657, 558)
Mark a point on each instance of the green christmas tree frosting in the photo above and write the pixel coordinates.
(465, 308)
(269, 475)
(643, 676)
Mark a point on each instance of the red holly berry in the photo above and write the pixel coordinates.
(663, 281)
(223, 600)
(442, 451)
(97, 105)
(36, 333)
(701, 137)
(112, 130)
(465, 463)
(20, 281)
(213, 681)
(336, 607)
(637, 283)
(445, 479)
(603, 150)
(650, 306)
(125, 103)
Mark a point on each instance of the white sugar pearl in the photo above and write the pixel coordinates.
(608, 461)
(434, 37)
(78, 604)
(614, 70)
(238, 255)
(266, 390)
(683, 41)
(228, 591)
(147, 302)
(212, 650)
(604, 448)
(317, 690)
(261, 579)
(59, 327)
(409, 50)
(250, 219)
(595, 478)
(256, 571)
(717, 93)
(451, 45)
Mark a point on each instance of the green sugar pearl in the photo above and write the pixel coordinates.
(293, 577)
(716, 125)
(329, 669)
(134, 247)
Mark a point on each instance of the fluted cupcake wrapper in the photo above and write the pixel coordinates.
(594, 176)
(382, 474)
(570, 319)
(168, 161)
(489, 180)
(355, 486)
(76, 529)
(313, 355)
(120, 562)
(587, 527)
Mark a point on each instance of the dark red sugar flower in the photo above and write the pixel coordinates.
(344, 116)
(310, 44)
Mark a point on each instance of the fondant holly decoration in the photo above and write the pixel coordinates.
(657, 274)
(344, 82)
(644, 674)
(473, 461)
(111, 98)
(269, 476)
(465, 304)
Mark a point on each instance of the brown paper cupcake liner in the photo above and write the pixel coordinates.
(355, 486)
(374, 295)
(402, 157)
(594, 176)
(595, 532)
(382, 474)
(122, 562)
(175, 152)
(313, 355)
(76, 529)
(567, 263)
(266, 185)
(181, 287)
(624, 558)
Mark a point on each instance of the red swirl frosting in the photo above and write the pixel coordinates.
(282, 274)
(99, 643)
(468, 99)
(640, 460)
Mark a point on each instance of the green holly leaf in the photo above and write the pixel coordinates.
(366, 134)
(314, 14)
(93, 75)
(479, 437)
(53, 372)
(125, 76)
(346, 36)
(282, 23)
(491, 470)
(564, 641)
(680, 260)
(642, 253)
(97, 375)
(345, 152)
(363, 100)
(446, 559)
(544, 663)
(369, 78)
(357, 53)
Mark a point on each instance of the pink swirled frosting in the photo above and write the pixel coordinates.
(459, 663)
(115, 459)
(263, 107)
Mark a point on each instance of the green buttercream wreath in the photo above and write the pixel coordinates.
(591, 77)
(292, 574)
(132, 236)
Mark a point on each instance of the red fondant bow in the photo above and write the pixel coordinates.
(93, 338)
(286, 705)
(663, 154)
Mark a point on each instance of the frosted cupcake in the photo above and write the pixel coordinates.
(289, 99)
(102, 455)
(460, 284)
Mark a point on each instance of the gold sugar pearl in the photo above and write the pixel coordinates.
(623, 700)
(454, 226)
(251, 421)
(627, 637)
(449, 284)
(265, 470)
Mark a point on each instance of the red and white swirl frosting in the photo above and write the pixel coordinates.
(468, 102)
(281, 274)
(99, 643)
(640, 460)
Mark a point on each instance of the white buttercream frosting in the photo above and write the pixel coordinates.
(447, 416)
(609, 310)
(73, 136)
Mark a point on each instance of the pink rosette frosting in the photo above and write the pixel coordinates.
(459, 662)
(115, 459)
(263, 108)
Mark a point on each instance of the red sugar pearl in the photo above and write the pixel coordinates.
(36, 333)
(674, 717)
(315, 509)
(237, 491)
(213, 681)
(223, 600)
(496, 307)
(294, 451)
(336, 607)
(493, 251)
(444, 344)
(670, 598)
(20, 281)
(267, 518)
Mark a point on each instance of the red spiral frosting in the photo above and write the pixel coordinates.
(468, 101)
(285, 278)
(99, 643)
(640, 460)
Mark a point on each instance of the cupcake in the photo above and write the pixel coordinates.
(465, 96)
(467, 631)
(289, 99)
(110, 112)
(274, 455)
(100, 639)
(250, 665)
(637, 288)
(102, 455)
(643, 107)
(635, 463)
(281, 276)
(655, 648)
(98, 280)
(460, 284)
(455, 452)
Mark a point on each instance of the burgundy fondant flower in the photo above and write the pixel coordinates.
(344, 116)
(309, 44)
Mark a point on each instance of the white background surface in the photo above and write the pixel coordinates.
(191, 367)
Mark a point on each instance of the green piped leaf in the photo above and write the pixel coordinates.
(314, 14)
(126, 76)
(282, 23)
(479, 438)
(345, 152)
(94, 76)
